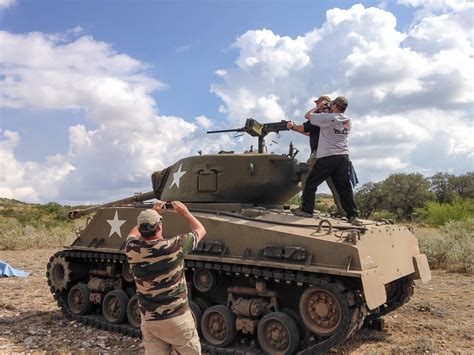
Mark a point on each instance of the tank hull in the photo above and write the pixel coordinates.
(251, 260)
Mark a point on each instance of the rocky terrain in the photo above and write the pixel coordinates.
(439, 318)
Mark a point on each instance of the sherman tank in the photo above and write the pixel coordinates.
(262, 280)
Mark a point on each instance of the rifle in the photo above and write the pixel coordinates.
(257, 129)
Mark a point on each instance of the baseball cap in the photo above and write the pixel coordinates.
(321, 98)
(149, 216)
(341, 101)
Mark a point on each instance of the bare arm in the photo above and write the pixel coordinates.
(297, 128)
(193, 222)
(310, 113)
(134, 232)
(319, 108)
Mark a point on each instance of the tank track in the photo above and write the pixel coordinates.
(357, 309)
(406, 291)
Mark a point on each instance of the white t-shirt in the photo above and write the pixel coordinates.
(335, 128)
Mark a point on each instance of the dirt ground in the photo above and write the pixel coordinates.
(439, 318)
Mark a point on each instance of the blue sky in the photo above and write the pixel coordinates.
(87, 80)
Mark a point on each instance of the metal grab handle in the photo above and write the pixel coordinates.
(323, 221)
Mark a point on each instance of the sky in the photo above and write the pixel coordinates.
(97, 95)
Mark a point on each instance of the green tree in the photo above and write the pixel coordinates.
(405, 192)
(442, 184)
(369, 198)
(464, 185)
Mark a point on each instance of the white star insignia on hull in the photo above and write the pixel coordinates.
(115, 225)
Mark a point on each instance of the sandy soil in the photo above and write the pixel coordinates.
(439, 318)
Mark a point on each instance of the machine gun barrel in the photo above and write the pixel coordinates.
(125, 201)
(227, 130)
(257, 129)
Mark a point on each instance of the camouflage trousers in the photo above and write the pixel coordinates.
(177, 335)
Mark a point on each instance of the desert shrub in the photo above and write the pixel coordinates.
(14, 236)
(452, 248)
(384, 215)
(437, 214)
(295, 200)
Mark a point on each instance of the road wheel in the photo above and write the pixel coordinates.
(204, 280)
(133, 312)
(278, 334)
(202, 303)
(197, 314)
(127, 272)
(218, 326)
(78, 300)
(114, 306)
(305, 334)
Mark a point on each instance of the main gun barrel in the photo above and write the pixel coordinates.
(125, 201)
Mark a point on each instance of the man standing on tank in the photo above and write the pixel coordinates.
(312, 131)
(158, 268)
(332, 159)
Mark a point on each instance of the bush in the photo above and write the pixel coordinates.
(14, 236)
(437, 214)
(452, 248)
(384, 215)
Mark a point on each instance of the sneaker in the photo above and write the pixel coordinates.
(300, 213)
(355, 221)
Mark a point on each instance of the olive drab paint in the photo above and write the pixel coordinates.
(259, 265)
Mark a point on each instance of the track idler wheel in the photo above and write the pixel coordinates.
(59, 273)
(278, 334)
(78, 300)
(133, 312)
(114, 306)
(218, 326)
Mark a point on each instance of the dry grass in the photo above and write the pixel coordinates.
(17, 237)
(450, 247)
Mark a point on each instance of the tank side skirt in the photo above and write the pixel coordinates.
(288, 276)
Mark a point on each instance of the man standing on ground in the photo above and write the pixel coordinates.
(158, 268)
(332, 159)
(312, 131)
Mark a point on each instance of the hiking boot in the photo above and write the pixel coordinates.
(300, 213)
(355, 221)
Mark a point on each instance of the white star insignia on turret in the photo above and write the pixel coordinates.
(115, 225)
(177, 176)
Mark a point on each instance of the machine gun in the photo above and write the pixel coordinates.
(257, 129)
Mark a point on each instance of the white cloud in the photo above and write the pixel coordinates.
(124, 138)
(410, 95)
(436, 4)
(183, 48)
(29, 181)
(6, 3)
(203, 121)
(407, 90)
